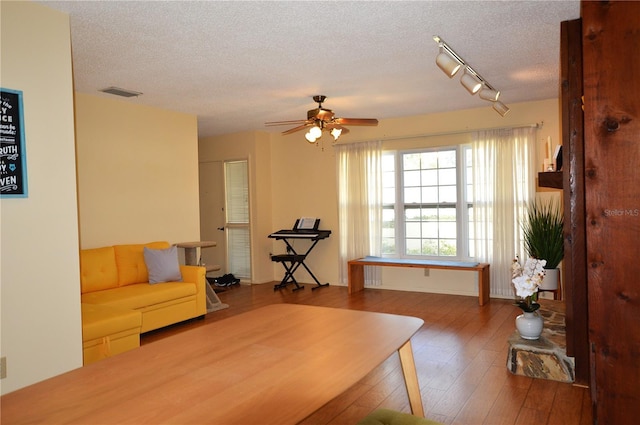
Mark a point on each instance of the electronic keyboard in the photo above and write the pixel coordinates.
(300, 233)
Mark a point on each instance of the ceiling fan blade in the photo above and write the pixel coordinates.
(332, 124)
(324, 119)
(294, 129)
(290, 122)
(356, 121)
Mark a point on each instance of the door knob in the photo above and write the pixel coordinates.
(221, 228)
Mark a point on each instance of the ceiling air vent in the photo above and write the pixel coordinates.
(121, 92)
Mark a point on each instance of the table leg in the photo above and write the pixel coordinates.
(191, 256)
(355, 277)
(411, 379)
(484, 285)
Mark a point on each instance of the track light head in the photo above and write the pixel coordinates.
(501, 108)
(470, 82)
(447, 63)
(489, 94)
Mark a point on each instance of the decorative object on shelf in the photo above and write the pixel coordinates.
(557, 158)
(543, 238)
(526, 280)
(552, 162)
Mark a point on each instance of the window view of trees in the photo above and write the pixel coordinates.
(423, 193)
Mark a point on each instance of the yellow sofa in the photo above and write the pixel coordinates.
(107, 331)
(119, 303)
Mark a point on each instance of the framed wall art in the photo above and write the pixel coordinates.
(13, 164)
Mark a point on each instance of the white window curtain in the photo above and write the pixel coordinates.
(504, 184)
(359, 168)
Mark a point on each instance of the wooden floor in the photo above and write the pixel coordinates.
(460, 355)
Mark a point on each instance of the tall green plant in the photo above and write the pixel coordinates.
(543, 235)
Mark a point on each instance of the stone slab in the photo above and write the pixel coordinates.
(545, 358)
(539, 359)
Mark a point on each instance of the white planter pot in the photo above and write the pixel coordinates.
(551, 278)
(529, 325)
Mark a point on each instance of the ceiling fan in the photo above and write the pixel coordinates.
(320, 119)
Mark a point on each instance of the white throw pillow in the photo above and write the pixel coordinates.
(162, 264)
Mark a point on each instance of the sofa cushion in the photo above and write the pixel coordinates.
(162, 264)
(130, 260)
(99, 321)
(141, 295)
(98, 269)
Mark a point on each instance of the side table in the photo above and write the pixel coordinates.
(191, 258)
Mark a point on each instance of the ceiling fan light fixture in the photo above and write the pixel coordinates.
(470, 82)
(315, 132)
(321, 119)
(501, 108)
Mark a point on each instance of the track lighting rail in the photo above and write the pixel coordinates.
(450, 63)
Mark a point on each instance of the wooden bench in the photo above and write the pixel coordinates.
(356, 271)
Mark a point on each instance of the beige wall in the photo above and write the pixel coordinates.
(256, 149)
(137, 173)
(40, 282)
(304, 182)
(138, 181)
(290, 178)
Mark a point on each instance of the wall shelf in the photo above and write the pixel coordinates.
(550, 179)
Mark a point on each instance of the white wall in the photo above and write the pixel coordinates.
(40, 283)
(137, 173)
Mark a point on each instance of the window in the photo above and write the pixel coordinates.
(427, 203)
(237, 218)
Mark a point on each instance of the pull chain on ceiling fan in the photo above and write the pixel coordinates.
(321, 119)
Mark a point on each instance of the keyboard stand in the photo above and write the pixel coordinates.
(292, 261)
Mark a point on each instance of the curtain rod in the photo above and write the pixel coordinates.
(447, 133)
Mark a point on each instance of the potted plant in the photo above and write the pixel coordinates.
(543, 238)
(526, 281)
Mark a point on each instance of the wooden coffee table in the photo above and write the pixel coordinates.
(273, 365)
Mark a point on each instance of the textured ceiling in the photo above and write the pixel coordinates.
(238, 64)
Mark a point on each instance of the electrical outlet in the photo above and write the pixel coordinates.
(426, 272)
(3, 367)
